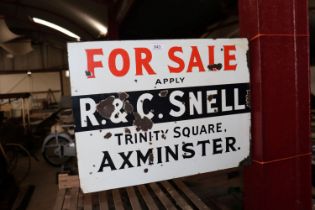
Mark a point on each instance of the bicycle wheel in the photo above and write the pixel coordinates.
(53, 151)
(19, 161)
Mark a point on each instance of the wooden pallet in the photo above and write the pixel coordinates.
(154, 196)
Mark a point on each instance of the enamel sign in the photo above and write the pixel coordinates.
(153, 110)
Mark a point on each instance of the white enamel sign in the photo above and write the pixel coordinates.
(153, 110)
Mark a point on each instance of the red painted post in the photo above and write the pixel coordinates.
(280, 174)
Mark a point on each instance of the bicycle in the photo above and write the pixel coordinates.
(18, 160)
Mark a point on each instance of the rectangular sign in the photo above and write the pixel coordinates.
(153, 110)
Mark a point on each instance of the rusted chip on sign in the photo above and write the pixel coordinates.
(142, 123)
(105, 107)
(108, 135)
(215, 67)
(163, 93)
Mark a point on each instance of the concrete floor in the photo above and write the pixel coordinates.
(43, 177)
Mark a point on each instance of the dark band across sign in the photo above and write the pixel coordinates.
(113, 110)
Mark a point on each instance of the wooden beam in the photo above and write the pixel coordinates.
(24, 71)
(15, 95)
(68, 181)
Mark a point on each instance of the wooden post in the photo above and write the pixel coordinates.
(61, 83)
